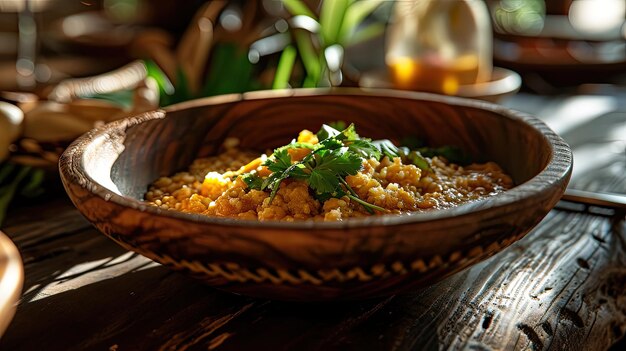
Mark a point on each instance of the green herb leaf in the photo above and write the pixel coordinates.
(280, 164)
(330, 144)
(253, 181)
(387, 148)
(364, 148)
(337, 155)
(414, 157)
(349, 133)
(327, 132)
(341, 162)
(323, 181)
(338, 125)
(272, 181)
(452, 153)
(296, 145)
(279, 161)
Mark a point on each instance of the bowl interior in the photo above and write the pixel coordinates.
(133, 155)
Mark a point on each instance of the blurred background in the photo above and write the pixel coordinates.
(69, 65)
(552, 43)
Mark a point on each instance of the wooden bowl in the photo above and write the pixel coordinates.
(107, 171)
(11, 279)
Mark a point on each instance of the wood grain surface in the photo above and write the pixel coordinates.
(107, 171)
(559, 288)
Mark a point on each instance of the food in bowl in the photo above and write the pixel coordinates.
(108, 171)
(332, 175)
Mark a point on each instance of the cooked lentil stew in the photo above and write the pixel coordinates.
(332, 175)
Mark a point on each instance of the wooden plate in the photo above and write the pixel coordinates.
(107, 171)
(503, 83)
(11, 279)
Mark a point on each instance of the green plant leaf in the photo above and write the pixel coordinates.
(166, 88)
(6, 170)
(355, 14)
(369, 32)
(298, 8)
(181, 89)
(310, 59)
(285, 66)
(33, 187)
(7, 192)
(230, 71)
(331, 20)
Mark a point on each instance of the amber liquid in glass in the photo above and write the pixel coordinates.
(432, 74)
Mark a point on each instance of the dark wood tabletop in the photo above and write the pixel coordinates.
(562, 287)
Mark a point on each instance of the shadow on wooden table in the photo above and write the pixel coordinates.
(561, 287)
(154, 308)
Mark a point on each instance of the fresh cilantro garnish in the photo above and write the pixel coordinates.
(327, 132)
(387, 148)
(279, 161)
(296, 145)
(329, 166)
(253, 181)
(339, 125)
(451, 153)
(337, 155)
(364, 148)
(349, 133)
(340, 152)
(416, 158)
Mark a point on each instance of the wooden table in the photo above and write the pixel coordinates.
(561, 287)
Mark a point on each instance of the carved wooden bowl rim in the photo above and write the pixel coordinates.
(558, 167)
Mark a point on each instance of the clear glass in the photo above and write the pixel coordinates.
(439, 45)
